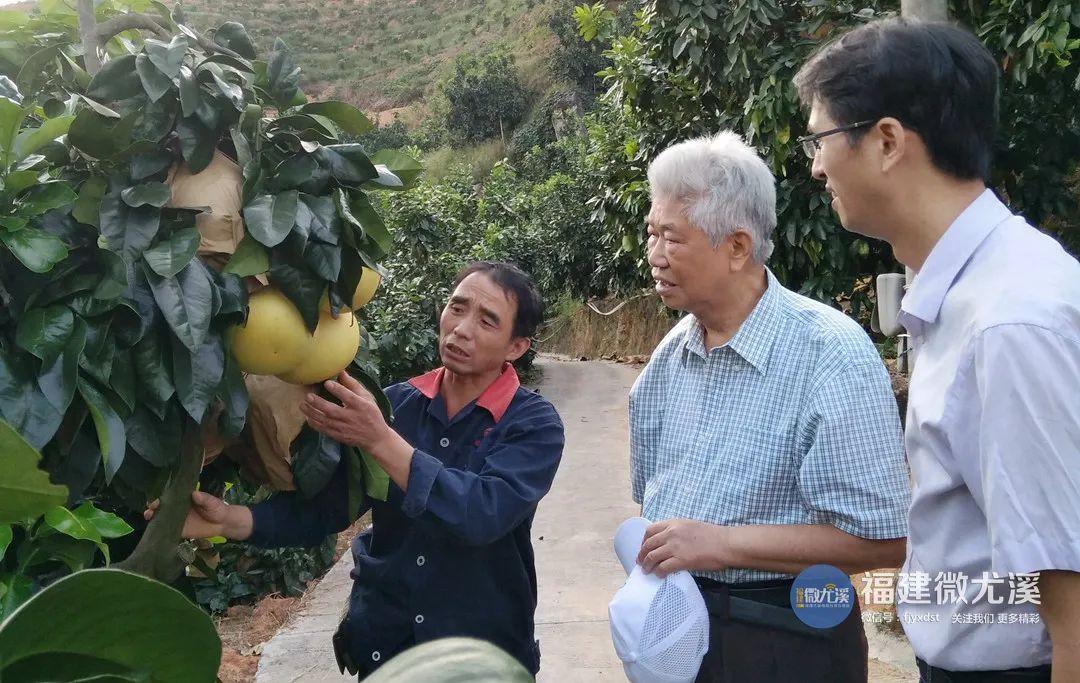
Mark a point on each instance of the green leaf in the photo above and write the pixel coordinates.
(152, 194)
(99, 136)
(6, 536)
(302, 287)
(152, 366)
(680, 45)
(232, 92)
(114, 279)
(315, 456)
(18, 588)
(319, 219)
(122, 379)
(98, 107)
(155, 83)
(197, 375)
(35, 249)
(25, 490)
(234, 397)
(117, 80)
(170, 257)
(59, 380)
(235, 37)
(44, 332)
(127, 230)
(323, 259)
(30, 141)
(197, 143)
(66, 522)
(17, 181)
(352, 120)
(151, 163)
(157, 440)
(106, 524)
(376, 481)
(189, 92)
(23, 405)
(302, 172)
(402, 165)
(110, 428)
(242, 65)
(373, 226)
(162, 635)
(11, 117)
(270, 218)
(167, 57)
(71, 667)
(87, 208)
(250, 258)
(46, 197)
(348, 164)
(100, 349)
(282, 75)
(185, 302)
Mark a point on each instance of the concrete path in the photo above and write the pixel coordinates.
(575, 563)
(576, 568)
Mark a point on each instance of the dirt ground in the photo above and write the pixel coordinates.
(245, 628)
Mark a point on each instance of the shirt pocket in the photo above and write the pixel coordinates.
(753, 472)
(477, 450)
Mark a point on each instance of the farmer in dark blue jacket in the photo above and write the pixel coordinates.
(469, 456)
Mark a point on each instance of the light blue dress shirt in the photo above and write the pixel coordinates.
(792, 421)
(993, 436)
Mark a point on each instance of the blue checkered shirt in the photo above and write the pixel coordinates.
(792, 421)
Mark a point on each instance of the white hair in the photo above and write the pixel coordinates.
(723, 185)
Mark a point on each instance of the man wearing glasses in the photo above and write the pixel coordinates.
(903, 117)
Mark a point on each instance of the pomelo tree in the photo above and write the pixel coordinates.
(117, 301)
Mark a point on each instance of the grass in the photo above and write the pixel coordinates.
(480, 159)
(389, 53)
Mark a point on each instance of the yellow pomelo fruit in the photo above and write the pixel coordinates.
(365, 292)
(274, 338)
(332, 349)
(365, 289)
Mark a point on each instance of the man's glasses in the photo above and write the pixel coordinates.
(812, 143)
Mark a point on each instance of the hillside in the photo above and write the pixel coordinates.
(388, 54)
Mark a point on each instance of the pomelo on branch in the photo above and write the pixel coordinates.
(274, 339)
(332, 349)
(365, 292)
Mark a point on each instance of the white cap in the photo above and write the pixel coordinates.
(660, 626)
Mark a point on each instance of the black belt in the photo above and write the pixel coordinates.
(933, 674)
(765, 603)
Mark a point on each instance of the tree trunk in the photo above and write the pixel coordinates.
(88, 33)
(156, 554)
(928, 10)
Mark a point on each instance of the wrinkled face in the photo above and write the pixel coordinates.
(689, 271)
(476, 328)
(850, 176)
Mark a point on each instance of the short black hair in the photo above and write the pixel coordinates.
(517, 285)
(936, 78)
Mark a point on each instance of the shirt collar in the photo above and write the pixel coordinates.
(495, 399)
(949, 256)
(753, 341)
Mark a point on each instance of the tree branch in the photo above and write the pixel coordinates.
(156, 554)
(210, 46)
(125, 22)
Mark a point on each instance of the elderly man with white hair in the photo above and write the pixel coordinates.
(764, 433)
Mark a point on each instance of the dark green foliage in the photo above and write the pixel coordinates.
(485, 98)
